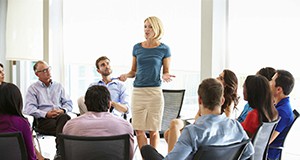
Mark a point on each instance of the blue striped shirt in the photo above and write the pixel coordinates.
(118, 94)
(40, 99)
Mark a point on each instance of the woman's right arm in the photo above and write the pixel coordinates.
(131, 73)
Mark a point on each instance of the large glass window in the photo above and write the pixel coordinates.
(94, 28)
(264, 33)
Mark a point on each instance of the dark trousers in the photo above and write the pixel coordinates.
(52, 126)
(150, 153)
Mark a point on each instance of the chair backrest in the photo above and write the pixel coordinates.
(12, 146)
(94, 148)
(296, 115)
(81, 105)
(262, 138)
(228, 152)
(280, 148)
(173, 104)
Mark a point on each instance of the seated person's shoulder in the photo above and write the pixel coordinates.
(285, 114)
(117, 80)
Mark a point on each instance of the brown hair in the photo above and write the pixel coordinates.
(230, 89)
(211, 91)
(100, 59)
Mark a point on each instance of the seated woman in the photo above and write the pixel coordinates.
(267, 72)
(2, 73)
(257, 92)
(11, 117)
(230, 83)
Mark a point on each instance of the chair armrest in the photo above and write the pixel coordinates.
(274, 147)
(73, 114)
(188, 121)
(30, 119)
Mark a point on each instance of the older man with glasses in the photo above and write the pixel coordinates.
(47, 101)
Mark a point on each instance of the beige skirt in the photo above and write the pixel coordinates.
(147, 107)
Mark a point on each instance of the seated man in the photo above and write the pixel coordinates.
(211, 128)
(230, 84)
(47, 101)
(98, 121)
(282, 85)
(118, 92)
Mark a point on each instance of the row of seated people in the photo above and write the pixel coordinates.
(48, 103)
(261, 91)
(97, 99)
(97, 122)
(54, 114)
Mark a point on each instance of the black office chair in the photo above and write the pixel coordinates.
(296, 115)
(228, 152)
(95, 148)
(36, 129)
(262, 138)
(172, 108)
(37, 134)
(12, 146)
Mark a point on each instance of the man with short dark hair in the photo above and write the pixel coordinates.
(211, 128)
(98, 121)
(282, 85)
(119, 95)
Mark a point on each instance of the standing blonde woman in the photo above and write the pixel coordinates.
(149, 57)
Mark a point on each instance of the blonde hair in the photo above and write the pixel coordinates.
(157, 26)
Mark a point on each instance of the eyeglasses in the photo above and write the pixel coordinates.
(44, 70)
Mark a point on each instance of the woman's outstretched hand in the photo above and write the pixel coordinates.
(167, 77)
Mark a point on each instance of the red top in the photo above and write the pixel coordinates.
(251, 122)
